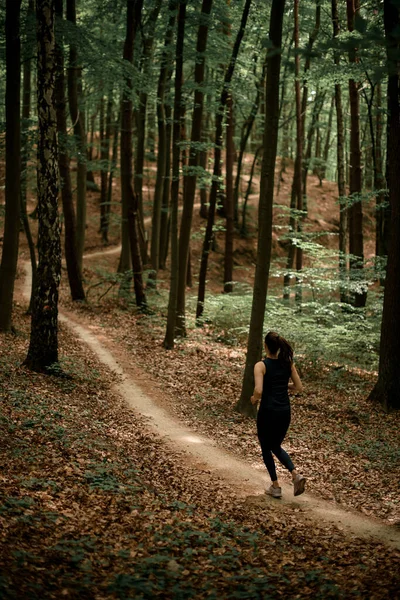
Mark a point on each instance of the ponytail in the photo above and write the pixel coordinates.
(276, 343)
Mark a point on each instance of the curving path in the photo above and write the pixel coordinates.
(203, 452)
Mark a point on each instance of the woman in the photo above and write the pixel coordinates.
(271, 386)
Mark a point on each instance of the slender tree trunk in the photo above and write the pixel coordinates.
(191, 177)
(140, 114)
(215, 187)
(264, 244)
(248, 126)
(341, 165)
(78, 119)
(382, 214)
(43, 346)
(129, 198)
(173, 289)
(165, 219)
(355, 211)
(386, 390)
(311, 41)
(243, 229)
(296, 200)
(229, 204)
(162, 140)
(327, 145)
(114, 160)
(26, 110)
(318, 105)
(9, 258)
(71, 256)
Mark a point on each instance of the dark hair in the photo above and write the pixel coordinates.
(276, 342)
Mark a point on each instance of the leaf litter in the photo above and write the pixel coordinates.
(94, 505)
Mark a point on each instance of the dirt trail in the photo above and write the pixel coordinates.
(202, 452)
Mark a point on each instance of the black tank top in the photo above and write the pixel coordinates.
(275, 387)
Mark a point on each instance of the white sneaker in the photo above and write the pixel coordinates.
(275, 492)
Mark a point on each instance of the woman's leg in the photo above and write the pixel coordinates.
(271, 428)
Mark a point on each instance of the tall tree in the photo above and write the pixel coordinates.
(264, 243)
(71, 248)
(340, 161)
(9, 258)
(386, 390)
(176, 136)
(162, 139)
(356, 240)
(78, 120)
(191, 177)
(26, 145)
(215, 187)
(147, 35)
(129, 198)
(43, 346)
(296, 200)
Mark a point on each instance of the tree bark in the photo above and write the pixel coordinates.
(191, 177)
(215, 187)
(140, 115)
(356, 242)
(26, 110)
(264, 244)
(386, 390)
(229, 203)
(129, 198)
(296, 200)
(162, 140)
(176, 136)
(247, 127)
(71, 255)
(78, 119)
(43, 346)
(9, 258)
(341, 166)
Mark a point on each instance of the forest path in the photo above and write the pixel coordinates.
(202, 452)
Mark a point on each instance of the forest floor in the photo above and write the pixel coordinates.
(96, 504)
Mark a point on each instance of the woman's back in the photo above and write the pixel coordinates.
(275, 386)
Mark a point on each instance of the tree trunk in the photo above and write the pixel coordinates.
(341, 165)
(264, 244)
(78, 119)
(43, 346)
(243, 229)
(26, 110)
(71, 256)
(215, 187)
(140, 114)
(359, 296)
(296, 200)
(386, 390)
(130, 202)
(162, 140)
(176, 135)
(113, 166)
(327, 145)
(9, 258)
(382, 213)
(230, 211)
(247, 127)
(165, 220)
(191, 177)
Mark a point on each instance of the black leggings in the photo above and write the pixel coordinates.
(271, 429)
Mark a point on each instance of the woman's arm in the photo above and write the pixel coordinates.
(259, 372)
(296, 386)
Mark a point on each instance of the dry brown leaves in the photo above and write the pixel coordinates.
(95, 506)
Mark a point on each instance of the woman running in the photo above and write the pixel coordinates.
(271, 377)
